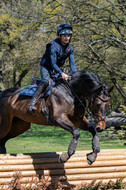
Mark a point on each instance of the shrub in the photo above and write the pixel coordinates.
(43, 183)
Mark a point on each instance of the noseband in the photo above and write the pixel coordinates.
(92, 101)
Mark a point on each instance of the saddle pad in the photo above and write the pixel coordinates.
(30, 90)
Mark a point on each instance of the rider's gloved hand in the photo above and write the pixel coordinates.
(65, 76)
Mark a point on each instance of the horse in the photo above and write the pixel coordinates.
(67, 105)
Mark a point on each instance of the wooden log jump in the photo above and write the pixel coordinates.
(109, 165)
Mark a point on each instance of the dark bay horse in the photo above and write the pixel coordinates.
(67, 107)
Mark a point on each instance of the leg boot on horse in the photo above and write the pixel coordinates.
(91, 157)
(72, 147)
(41, 88)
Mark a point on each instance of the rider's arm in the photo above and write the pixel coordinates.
(53, 59)
(71, 61)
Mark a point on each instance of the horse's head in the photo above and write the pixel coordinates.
(99, 104)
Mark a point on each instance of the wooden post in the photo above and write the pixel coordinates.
(109, 165)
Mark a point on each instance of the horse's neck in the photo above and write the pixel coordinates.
(78, 90)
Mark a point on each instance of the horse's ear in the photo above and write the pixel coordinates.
(110, 89)
(98, 89)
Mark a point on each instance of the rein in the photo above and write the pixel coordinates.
(75, 94)
(79, 100)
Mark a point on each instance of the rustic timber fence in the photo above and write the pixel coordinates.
(109, 165)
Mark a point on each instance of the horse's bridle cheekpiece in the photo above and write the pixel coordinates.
(92, 101)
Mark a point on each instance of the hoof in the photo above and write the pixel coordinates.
(89, 162)
(63, 157)
(91, 157)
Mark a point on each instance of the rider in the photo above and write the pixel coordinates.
(57, 51)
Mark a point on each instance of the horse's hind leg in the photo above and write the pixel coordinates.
(2, 147)
(66, 124)
(18, 127)
(5, 126)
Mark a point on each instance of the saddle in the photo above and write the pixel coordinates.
(30, 90)
(36, 81)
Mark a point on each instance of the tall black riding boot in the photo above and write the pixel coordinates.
(41, 88)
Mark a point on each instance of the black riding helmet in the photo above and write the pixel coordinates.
(64, 29)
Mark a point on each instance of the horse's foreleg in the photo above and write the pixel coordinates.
(91, 157)
(74, 141)
(65, 123)
(72, 147)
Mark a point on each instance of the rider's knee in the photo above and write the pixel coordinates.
(45, 81)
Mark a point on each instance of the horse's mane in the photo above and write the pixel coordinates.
(88, 79)
(8, 92)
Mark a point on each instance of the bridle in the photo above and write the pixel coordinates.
(92, 110)
(91, 100)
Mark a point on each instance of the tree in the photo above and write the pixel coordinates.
(98, 38)
(21, 30)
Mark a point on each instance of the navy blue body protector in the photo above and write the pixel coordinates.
(54, 57)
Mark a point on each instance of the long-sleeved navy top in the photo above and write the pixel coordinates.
(56, 54)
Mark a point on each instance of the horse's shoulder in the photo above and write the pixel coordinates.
(62, 92)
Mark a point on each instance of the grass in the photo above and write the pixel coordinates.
(50, 139)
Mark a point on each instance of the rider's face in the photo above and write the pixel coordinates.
(65, 38)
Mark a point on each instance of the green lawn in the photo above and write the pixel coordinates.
(45, 139)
